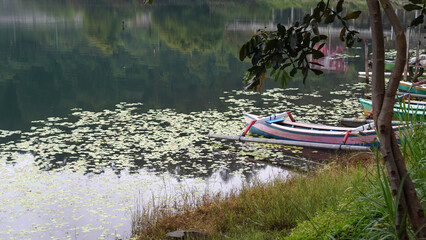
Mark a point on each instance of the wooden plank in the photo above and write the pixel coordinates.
(292, 143)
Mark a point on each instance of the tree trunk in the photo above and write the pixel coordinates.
(383, 101)
(415, 210)
(382, 114)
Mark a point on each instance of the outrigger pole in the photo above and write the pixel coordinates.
(293, 143)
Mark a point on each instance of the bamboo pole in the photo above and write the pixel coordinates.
(367, 73)
(407, 55)
(292, 143)
(352, 122)
(417, 54)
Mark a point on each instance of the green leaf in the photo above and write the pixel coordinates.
(317, 38)
(314, 40)
(243, 52)
(342, 34)
(293, 72)
(284, 78)
(314, 25)
(416, 1)
(327, 12)
(283, 82)
(316, 14)
(329, 19)
(306, 42)
(321, 6)
(306, 19)
(253, 42)
(352, 15)
(315, 63)
(321, 46)
(350, 40)
(270, 45)
(281, 30)
(316, 71)
(277, 75)
(317, 54)
(417, 21)
(339, 6)
(411, 7)
(257, 56)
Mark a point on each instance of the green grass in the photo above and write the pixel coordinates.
(259, 211)
(368, 214)
(372, 214)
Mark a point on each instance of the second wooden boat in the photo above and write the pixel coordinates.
(417, 88)
(415, 109)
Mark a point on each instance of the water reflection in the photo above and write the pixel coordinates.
(55, 56)
(67, 205)
(102, 27)
(333, 60)
(203, 34)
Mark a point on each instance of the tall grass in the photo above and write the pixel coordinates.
(369, 214)
(379, 206)
(372, 214)
(414, 152)
(413, 147)
(258, 211)
(382, 205)
(154, 219)
(414, 141)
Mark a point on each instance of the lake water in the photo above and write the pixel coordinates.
(104, 106)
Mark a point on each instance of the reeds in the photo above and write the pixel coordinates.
(259, 209)
(372, 214)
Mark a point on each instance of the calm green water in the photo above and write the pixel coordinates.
(106, 105)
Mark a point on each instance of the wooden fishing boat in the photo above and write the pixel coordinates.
(417, 88)
(278, 128)
(415, 109)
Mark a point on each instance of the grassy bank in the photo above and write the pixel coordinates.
(345, 200)
(259, 211)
